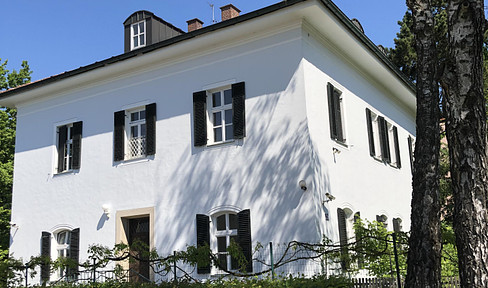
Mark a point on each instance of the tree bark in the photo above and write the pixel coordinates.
(466, 135)
(424, 265)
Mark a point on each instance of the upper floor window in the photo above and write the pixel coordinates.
(383, 135)
(219, 115)
(69, 146)
(336, 109)
(138, 35)
(135, 133)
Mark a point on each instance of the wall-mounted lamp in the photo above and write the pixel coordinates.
(336, 151)
(14, 225)
(106, 210)
(303, 185)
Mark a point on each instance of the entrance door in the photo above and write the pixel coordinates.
(138, 239)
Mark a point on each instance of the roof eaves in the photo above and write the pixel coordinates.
(366, 41)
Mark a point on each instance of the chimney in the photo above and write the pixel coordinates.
(229, 11)
(194, 24)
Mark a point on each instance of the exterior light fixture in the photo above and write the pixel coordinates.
(106, 210)
(303, 185)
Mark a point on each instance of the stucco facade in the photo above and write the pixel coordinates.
(286, 59)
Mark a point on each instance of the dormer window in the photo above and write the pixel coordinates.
(138, 35)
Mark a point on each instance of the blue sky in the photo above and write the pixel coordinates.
(60, 35)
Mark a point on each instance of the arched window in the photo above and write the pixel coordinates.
(225, 231)
(63, 248)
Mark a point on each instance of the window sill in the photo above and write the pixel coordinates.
(131, 161)
(341, 143)
(67, 172)
(233, 142)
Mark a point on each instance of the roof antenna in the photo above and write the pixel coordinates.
(213, 13)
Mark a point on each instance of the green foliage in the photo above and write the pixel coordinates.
(374, 250)
(7, 143)
(290, 282)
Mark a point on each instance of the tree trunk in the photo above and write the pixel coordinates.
(424, 265)
(466, 136)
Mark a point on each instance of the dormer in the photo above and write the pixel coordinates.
(143, 28)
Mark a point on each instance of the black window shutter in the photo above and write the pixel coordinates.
(397, 147)
(119, 135)
(203, 238)
(77, 132)
(384, 143)
(410, 151)
(151, 129)
(239, 109)
(74, 253)
(341, 220)
(369, 122)
(200, 118)
(332, 109)
(62, 136)
(46, 256)
(244, 236)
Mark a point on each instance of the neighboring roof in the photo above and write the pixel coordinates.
(208, 29)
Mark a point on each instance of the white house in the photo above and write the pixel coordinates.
(276, 125)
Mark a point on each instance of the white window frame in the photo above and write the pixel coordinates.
(62, 248)
(391, 143)
(139, 35)
(228, 233)
(135, 147)
(68, 149)
(222, 110)
(376, 136)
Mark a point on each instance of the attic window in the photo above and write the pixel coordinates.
(138, 35)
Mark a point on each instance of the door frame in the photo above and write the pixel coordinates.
(121, 227)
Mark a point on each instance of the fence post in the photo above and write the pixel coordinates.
(399, 282)
(26, 274)
(174, 254)
(94, 271)
(272, 261)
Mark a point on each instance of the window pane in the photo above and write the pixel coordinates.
(216, 99)
(229, 132)
(141, 39)
(221, 223)
(133, 131)
(233, 221)
(228, 97)
(217, 118)
(136, 41)
(141, 27)
(143, 112)
(223, 260)
(218, 134)
(233, 262)
(70, 136)
(135, 29)
(222, 244)
(143, 130)
(61, 237)
(134, 116)
(228, 116)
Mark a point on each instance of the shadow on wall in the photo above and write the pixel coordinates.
(261, 173)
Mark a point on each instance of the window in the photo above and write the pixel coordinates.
(334, 97)
(397, 224)
(135, 133)
(138, 35)
(226, 227)
(69, 146)
(380, 132)
(67, 245)
(411, 150)
(62, 247)
(382, 219)
(219, 115)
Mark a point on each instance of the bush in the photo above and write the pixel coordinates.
(291, 282)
